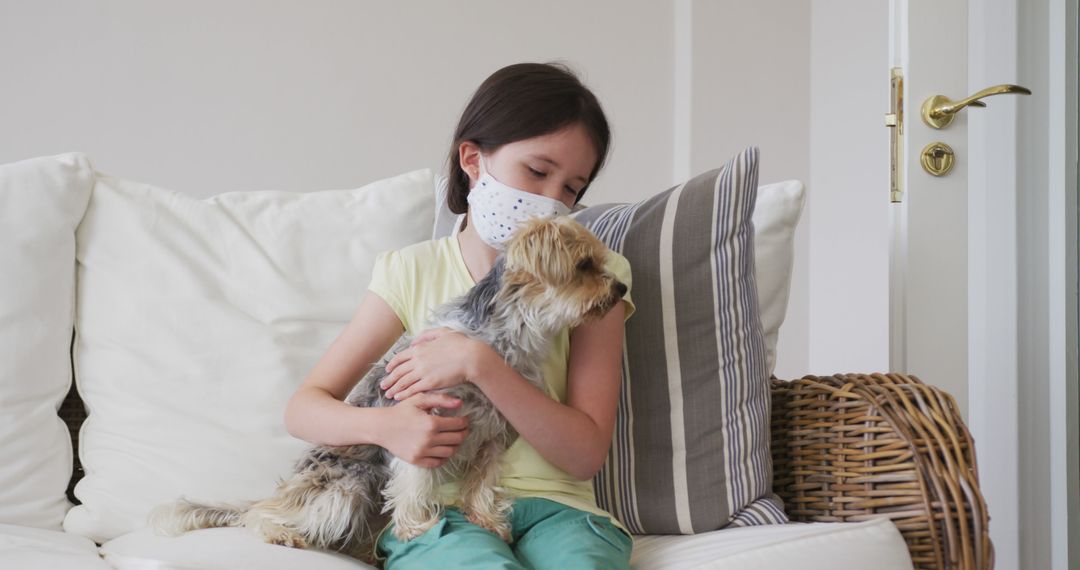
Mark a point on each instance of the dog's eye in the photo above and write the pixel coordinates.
(585, 264)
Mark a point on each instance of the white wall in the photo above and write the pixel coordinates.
(808, 82)
(750, 86)
(849, 207)
(207, 97)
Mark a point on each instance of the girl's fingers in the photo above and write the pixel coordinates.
(394, 376)
(450, 437)
(397, 359)
(430, 334)
(430, 463)
(431, 399)
(421, 339)
(406, 390)
(441, 451)
(407, 380)
(452, 424)
(416, 386)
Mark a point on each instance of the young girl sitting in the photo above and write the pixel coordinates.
(531, 128)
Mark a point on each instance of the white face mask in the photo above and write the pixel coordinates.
(497, 208)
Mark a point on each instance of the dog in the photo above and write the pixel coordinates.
(551, 276)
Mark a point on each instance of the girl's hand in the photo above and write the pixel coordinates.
(416, 436)
(438, 358)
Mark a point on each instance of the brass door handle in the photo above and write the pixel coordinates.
(938, 111)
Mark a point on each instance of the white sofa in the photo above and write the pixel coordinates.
(187, 323)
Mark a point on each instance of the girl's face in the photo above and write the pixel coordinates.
(556, 165)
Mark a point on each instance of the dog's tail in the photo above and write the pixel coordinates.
(182, 515)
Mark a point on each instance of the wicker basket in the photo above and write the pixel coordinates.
(853, 447)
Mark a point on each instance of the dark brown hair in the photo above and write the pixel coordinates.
(522, 101)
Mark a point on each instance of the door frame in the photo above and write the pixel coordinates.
(1063, 318)
(993, 291)
(1000, 416)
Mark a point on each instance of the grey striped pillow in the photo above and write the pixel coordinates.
(691, 446)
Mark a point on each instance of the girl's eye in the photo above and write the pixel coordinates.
(539, 174)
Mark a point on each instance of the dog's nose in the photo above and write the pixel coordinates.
(620, 288)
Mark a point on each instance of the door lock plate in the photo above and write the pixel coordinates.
(938, 158)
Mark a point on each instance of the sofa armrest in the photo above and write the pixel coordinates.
(853, 447)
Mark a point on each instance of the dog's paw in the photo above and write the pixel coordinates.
(407, 532)
(284, 537)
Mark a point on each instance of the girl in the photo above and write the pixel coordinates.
(533, 128)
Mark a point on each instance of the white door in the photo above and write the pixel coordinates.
(953, 263)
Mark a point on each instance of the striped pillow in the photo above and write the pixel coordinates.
(691, 447)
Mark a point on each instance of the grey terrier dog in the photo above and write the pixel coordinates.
(550, 277)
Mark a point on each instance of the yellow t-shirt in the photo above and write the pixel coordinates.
(417, 278)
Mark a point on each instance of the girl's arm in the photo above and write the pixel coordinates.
(317, 413)
(576, 436)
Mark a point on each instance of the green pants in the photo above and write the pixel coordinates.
(546, 534)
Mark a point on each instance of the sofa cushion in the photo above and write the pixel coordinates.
(196, 321)
(41, 203)
(27, 548)
(873, 544)
(776, 215)
(808, 546)
(690, 451)
(216, 549)
(664, 480)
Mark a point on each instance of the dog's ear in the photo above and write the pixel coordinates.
(535, 233)
(539, 247)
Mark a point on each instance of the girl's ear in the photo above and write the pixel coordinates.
(469, 158)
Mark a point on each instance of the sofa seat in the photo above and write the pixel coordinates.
(216, 549)
(28, 547)
(808, 546)
(874, 544)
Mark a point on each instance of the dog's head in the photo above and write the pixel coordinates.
(554, 268)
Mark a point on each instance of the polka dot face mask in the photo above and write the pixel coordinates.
(497, 208)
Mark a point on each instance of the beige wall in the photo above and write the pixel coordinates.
(207, 97)
(849, 186)
(751, 86)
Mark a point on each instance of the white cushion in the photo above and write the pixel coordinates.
(873, 544)
(28, 548)
(776, 213)
(216, 549)
(196, 321)
(41, 202)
